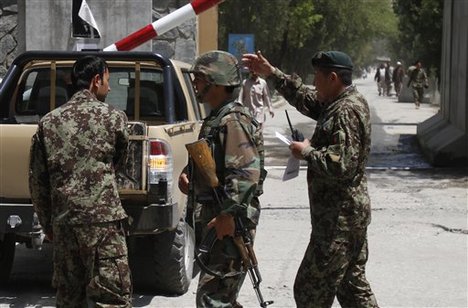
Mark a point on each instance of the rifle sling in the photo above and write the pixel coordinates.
(203, 251)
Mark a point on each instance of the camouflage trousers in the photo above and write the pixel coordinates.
(91, 266)
(334, 266)
(216, 292)
(224, 258)
(398, 86)
(418, 95)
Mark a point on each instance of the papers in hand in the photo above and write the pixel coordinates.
(283, 138)
(292, 169)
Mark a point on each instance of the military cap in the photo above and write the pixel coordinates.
(332, 59)
(219, 67)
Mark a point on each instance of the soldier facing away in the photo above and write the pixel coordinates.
(235, 141)
(335, 259)
(74, 155)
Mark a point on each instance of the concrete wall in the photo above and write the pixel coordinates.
(46, 25)
(8, 33)
(178, 43)
(444, 137)
(189, 39)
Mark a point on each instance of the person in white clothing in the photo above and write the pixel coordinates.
(255, 95)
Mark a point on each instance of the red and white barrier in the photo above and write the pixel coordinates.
(163, 25)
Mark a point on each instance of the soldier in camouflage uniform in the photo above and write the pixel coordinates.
(334, 262)
(234, 138)
(74, 155)
(418, 81)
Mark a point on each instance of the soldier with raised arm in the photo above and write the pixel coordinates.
(336, 154)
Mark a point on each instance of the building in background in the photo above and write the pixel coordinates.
(56, 25)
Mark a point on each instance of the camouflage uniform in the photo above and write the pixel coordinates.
(418, 81)
(334, 263)
(237, 146)
(230, 131)
(73, 158)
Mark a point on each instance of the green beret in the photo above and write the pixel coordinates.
(332, 59)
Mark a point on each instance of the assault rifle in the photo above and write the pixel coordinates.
(296, 135)
(201, 155)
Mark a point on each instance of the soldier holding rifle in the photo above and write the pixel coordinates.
(335, 259)
(234, 139)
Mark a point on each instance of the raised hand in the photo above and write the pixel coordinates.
(258, 64)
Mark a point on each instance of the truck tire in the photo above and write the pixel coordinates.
(7, 255)
(163, 263)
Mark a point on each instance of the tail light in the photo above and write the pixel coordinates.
(160, 165)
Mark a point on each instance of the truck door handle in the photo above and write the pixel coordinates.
(180, 129)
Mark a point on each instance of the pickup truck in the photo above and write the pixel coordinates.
(158, 98)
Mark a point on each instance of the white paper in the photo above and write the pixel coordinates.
(292, 169)
(283, 138)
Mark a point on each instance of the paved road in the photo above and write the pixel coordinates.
(417, 239)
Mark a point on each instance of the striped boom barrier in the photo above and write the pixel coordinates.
(162, 25)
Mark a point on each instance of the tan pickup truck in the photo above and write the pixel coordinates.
(157, 96)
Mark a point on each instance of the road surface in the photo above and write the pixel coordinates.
(417, 238)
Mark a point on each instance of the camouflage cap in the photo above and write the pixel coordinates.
(220, 68)
(332, 59)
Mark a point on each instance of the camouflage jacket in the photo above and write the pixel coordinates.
(417, 77)
(230, 131)
(337, 156)
(73, 158)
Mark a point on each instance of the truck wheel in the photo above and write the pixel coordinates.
(163, 263)
(7, 254)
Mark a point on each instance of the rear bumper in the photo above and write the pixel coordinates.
(153, 218)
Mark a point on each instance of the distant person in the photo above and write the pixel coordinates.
(364, 73)
(418, 81)
(388, 78)
(74, 154)
(380, 79)
(398, 75)
(255, 95)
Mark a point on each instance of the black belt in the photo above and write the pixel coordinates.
(205, 199)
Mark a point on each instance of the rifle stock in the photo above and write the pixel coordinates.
(201, 155)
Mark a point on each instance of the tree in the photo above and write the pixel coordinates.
(278, 25)
(420, 25)
(290, 32)
(352, 26)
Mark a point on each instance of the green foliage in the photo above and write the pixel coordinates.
(352, 26)
(290, 32)
(301, 19)
(420, 25)
(278, 25)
